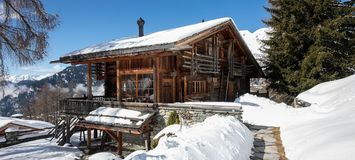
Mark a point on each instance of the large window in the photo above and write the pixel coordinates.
(137, 87)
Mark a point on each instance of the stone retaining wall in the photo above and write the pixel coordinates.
(192, 115)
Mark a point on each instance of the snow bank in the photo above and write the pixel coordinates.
(29, 123)
(325, 130)
(98, 116)
(263, 111)
(217, 137)
(103, 156)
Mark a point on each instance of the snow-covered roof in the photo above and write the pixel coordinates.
(4, 121)
(17, 115)
(116, 116)
(164, 37)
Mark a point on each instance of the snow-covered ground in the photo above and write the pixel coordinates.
(39, 149)
(325, 130)
(218, 137)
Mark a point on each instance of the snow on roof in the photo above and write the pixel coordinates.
(114, 116)
(16, 115)
(29, 123)
(157, 38)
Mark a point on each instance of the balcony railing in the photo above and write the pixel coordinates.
(83, 106)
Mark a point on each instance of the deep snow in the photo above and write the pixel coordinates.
(218, 137)
(325, 130)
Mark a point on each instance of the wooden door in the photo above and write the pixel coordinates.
(166, 95)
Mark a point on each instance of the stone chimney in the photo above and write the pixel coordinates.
(140, 23)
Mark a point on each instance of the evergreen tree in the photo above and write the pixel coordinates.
(312, 41)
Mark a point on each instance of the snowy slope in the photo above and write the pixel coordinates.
(253, 40)
(325, 130)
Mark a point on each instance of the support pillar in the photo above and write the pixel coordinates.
(89, 138)
(119, 143)
(95, 133)
(67, 137)
(118, 81)
(89, 81)
(147, 142)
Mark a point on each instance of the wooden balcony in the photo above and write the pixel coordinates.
(82, 106)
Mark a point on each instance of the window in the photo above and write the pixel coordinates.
(198, 87)
(138, 87)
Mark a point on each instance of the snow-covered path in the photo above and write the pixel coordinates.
(325, 130)
(267, 143)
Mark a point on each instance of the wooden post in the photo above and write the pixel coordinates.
(178, 64)
(67, 137)
(157, 62)
(155, 82)
(193, 61)
(230, 47)
(89, 81)
(89, 138)
(119, 143)
(118, 81)
(147, 142)
(95, 133)
(185, 88)
(174, 88)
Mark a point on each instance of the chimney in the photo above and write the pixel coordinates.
(140, 23)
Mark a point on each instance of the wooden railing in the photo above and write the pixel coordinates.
(83, 106)
(79, 106)
(202, 63)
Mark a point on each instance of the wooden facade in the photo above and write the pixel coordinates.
(213, 65)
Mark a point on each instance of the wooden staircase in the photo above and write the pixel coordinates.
(60, 131)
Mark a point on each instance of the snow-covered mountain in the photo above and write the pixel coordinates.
(253, 40)
(19, 90)
(24, 77)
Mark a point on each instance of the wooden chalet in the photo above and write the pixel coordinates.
(207, 61)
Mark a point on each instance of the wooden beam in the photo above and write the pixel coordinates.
(119, 143)
(115, 57)
(118, 81)
(137, 71)
(178, 77)
(158, 78)
(89, 138)
(185, 88)
(89, 81)
(147, 141)
(155, 82)
(103, 127)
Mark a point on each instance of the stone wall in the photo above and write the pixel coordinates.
(192, 115)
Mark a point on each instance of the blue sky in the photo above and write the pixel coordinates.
(84, 23)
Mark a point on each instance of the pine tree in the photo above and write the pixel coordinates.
(312, 41)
